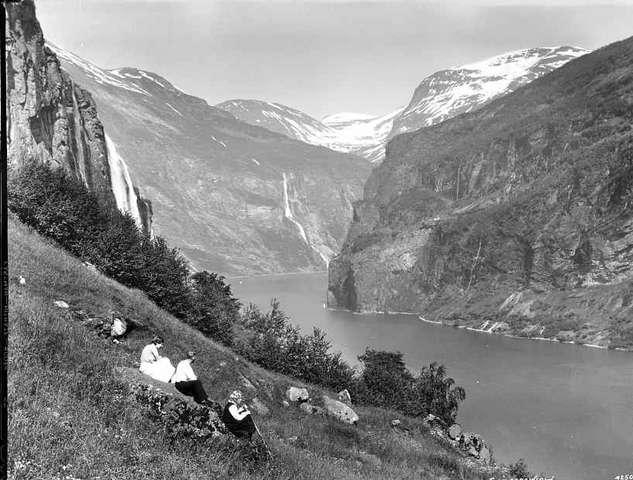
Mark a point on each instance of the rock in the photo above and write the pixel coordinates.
(285, 403)
(61, 304)
(90, 267)
(296, 394)
(344, 396)
(311, 409)
(259, 407)
(340, 411)
(454, 431)
(395, 423)
(118, 328)
(21, 280)
(369, 459)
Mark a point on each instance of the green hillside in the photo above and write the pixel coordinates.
(74, 415)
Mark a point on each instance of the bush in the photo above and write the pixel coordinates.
(62, 209)
(386, 382)
(214, 310)
(269, 340)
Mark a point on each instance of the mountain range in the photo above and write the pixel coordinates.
(515, 218)
(439, 96)
(235, 198)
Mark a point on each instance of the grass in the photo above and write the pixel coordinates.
(71, 416)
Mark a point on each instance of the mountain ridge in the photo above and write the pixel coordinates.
(235, 198)
(510, 214)
(441, 95)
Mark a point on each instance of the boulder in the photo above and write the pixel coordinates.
(259, 407)
(369, 459)
(285, 403)
(118, 328)
(61, 304)
(454, 431)
(296, 394)
(340, 411)
(395, 422)
(344, 396)
(22, 280)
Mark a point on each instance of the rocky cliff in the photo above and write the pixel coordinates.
(235, 198)
(54, 121)
(516, 218)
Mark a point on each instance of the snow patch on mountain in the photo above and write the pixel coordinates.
(457, 90)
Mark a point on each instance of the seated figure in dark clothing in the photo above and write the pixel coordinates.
(187, 383)
(237, 417)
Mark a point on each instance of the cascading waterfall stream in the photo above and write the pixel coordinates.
(289, 215)
(122, 186)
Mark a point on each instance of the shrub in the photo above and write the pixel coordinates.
(269, 340)
(214, 310)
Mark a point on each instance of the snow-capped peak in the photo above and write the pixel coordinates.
(450, 92)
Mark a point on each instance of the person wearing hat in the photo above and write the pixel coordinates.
(152, 364)
(186, 381)
(237, 417)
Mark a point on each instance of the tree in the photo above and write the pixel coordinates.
(385, 380)
(214, 310)
(434, 392)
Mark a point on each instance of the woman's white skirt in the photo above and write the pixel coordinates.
(161, 370)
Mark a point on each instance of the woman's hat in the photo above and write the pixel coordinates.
(236, 396)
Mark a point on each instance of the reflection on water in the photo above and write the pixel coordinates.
(568, 410)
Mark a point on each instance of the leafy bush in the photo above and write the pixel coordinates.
(386, 382)
(213, 309)
(62, 209)
(269, 340)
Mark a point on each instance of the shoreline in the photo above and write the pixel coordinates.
(478, 330)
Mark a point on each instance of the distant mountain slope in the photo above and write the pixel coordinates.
(440, 96)
(235, 198)
(359, 134)
(516, 218)
(447, 93)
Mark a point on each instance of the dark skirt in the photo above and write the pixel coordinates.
(240, 428)
(192, 388)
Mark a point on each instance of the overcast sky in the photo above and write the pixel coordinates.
(320, 56)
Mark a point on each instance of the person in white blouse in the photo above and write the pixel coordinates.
(237, 417)
(186, 381)
(152, 364)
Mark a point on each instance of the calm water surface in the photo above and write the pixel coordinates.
(566, 409)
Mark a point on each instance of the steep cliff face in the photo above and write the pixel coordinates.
(54, 121)
(234, 197)
(517, 216)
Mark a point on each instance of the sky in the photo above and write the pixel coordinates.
(320, 56)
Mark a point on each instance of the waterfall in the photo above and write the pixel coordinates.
(324, 252)
(288, 212)
(122, 186)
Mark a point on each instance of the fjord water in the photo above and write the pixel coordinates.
(566, 409)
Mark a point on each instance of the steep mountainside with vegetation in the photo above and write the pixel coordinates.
(516, 218)
(78, 410)
(53, 121)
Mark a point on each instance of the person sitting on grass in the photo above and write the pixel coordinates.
(237, 418)
(186, 381)
(152, 364)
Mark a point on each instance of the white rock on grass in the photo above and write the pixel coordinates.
(340, 411)
(61, 304)
(296, 394)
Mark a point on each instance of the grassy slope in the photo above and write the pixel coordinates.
(71, 417)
